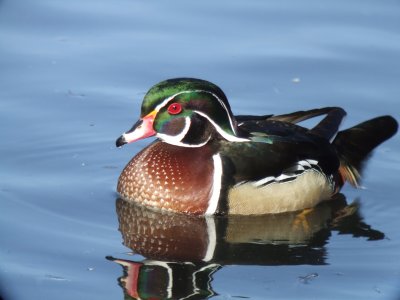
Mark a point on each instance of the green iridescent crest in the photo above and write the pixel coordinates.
(168, 88)
(199, 97)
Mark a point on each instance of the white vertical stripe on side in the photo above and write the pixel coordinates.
(212, 238)
(216, 188)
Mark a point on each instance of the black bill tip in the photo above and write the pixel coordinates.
(120, 141)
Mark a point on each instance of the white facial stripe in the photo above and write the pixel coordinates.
(177, 139)
(162, 104)
(216, 188)
(165, 102)
(224, 107)
(223, 133)
(167, 139)
(171, 139)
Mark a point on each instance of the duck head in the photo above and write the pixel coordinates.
(185, 112)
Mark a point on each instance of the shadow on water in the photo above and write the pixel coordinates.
(183, 252)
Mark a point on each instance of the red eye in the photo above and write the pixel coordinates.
(174, 108)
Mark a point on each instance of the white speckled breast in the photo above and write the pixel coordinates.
(169, 177)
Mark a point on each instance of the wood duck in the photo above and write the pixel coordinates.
(207, 161)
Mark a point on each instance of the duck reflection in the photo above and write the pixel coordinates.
(183, 252)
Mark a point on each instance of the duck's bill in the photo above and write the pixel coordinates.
(142, 129)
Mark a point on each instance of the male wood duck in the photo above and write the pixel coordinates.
(207, 161)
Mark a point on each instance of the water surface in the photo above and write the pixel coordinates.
(73, 75)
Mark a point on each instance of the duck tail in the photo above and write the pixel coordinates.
(354, 145)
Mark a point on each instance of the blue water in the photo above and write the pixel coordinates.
(72, 77)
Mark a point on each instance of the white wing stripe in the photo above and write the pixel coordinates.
(289, 174)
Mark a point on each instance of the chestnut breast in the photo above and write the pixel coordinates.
(169, 177)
